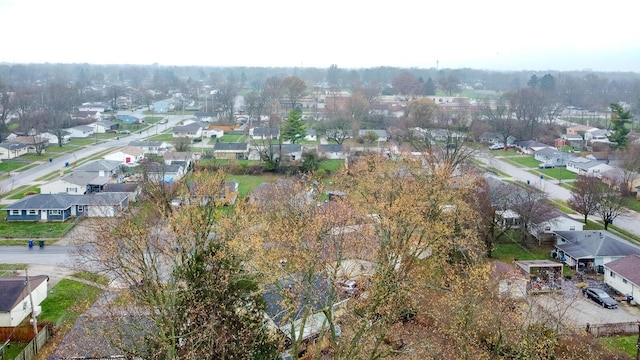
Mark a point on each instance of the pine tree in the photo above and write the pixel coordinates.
(293, 128)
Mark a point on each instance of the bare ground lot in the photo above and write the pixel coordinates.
(573, 309)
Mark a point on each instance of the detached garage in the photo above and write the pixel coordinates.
(105, 204)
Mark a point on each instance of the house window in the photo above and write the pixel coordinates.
(15, 212)
(547, 228)
(572, 228)
(624, 281)
(24, 305)
(72, 190)
(612, 274)
(33, 212)
(55, 212)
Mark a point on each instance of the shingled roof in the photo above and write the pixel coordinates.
(594, 243)
(13, 289)
(628, 267)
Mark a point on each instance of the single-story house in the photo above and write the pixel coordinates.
(615, 179)
(590, 249)
(60, 207)
(229, 193)
(193, 130)
(264, 133)
(103, 126)
(32, 142)
(597, 135)
(494, 138)
(12, 150)
(17, 302)
(511, 281)
(99, 107)
(133, 190)
(529, 147)
(88, 115)
(444, 135)
(332, 151)
(181, 157)
(164, 106)
(382, 134)
(235, 150)
(76, 183)
(129, 155)
(312, 135)
(130, 119)
(108, 168)
(306, 317)
(151, 147)
(287, 152)
(552, 156)
(623, 275)
(212, 131)
(554, 220)
(575, 141)
(587, 167)
(169, 174)
(81, 131)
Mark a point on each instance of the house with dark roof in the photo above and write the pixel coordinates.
(167, 173)
(287, 152)
(102, 126)
(311, 135)
(591, 249)
(309, 299)
(230, 151)
(12, 150)
(81, 131)
(623, 275)
(60, 207)
(264, 133)
(16, 300)
(193, 130)
(132, 190)
(553, 220)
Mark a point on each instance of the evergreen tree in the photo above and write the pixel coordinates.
(293, 128)
(619, 120)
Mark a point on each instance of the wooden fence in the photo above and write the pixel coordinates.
(625, 328)
(29, 352)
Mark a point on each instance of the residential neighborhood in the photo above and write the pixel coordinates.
(339, 216)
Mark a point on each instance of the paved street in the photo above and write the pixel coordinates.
(629, 222)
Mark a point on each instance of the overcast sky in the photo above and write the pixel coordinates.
(490, 34)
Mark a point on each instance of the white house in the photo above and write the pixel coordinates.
(109, 168)
(15, 299)
(81, 131)
(511, 281)
(128, 155)
(332, 151)
(12, 149)
(311, 135)
(624, 275)
(587, 167)
(555, 220)
(382, 134)
(264, 133)
(151, 147)
(192, 131)
(212, 132)
(102, 126)
(591, 248)
(76, 183)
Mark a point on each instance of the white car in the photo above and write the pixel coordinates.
(546, 166)
(496, 147)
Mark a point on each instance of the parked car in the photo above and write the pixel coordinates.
(126, 132)
(496, 147)
(601, 297)
(546, 165)
(111, 131)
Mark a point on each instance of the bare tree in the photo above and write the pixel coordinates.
(295, 88)
(225, 97)
(182, 143)
(337, 130)
(7, 103)
(610, 206)
(406, 84)
(449, 84)
(501, 119)
(585, 197)
(628, 166)
(530, 204)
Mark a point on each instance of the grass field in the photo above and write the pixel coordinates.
(67, 300)
(9, 165)
(508, 251)
(33, 230)
(632, 203)
(246, 183)
(22, 193)
(162, 137)
(558, 173)
(523, 161)
(625, 344)
(331, 165)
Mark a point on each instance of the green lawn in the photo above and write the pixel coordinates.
(152, 119)
(558, 173)
(632, 203)
(625, 344)
(67, 300)
(162, 137)
(508, 251)
(523, 161)
(33, 230)
(233, 138)
(246, 183)
(14, 350)
(505, 152)
(9, 165)
(22, 193)
(8, 269)
(331, 165)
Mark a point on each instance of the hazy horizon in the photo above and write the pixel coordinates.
(492, 35)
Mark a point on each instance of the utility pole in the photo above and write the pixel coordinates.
(33, 310)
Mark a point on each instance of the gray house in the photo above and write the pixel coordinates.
(234, 150)
(60, 207)
(552, 156)
(590, 249)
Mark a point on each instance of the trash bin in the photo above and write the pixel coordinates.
(50, 159)
(41, 243)
(629, 298)
(30, 244)
(66, 164)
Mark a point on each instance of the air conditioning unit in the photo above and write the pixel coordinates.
(37, 310)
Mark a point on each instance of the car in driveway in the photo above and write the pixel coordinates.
(546, 165)
(601, 297)
(496, 147)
